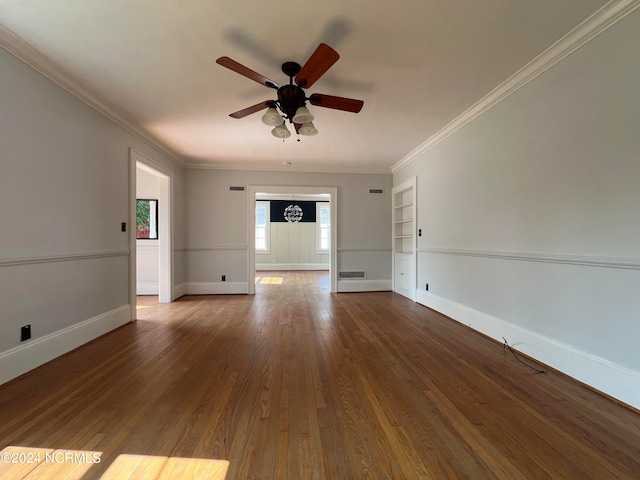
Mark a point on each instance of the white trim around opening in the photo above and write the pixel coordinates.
(271, 189)
(165, 233)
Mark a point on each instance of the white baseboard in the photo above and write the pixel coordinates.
(612, 379)
(179, 290)
(147, 289)
(292, 266)
(216, 288)
(36, 352)
(364, 285)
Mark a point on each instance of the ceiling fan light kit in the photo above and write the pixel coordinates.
(291, 103)
(308, 130)
(281, 131)
(272, 117)
(303, 115)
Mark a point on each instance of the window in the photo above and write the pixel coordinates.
(323, 223)
(262, 226)
(146, 219)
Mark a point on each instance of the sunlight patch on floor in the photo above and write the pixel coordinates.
(18, 463)
(165, 468)
(270, 280)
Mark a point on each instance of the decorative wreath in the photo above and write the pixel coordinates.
(293, 213)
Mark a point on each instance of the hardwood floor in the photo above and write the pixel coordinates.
(299, 383)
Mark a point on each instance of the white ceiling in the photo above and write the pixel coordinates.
(417, 64)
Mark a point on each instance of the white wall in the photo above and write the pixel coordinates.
(217, 225)
(530, 217)
(292, 246)
(147, 262)
(64, 191)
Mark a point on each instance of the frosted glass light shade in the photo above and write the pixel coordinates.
(308, 129)
(272, 118)
(303, 115)
(281, 131)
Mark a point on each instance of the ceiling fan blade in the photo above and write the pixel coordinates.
(320, 61)
(253, 109)
(297, 126)
(338, 103)
(247, 72)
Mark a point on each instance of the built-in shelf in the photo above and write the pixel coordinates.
(403, 215)
(403, 205)
(404, 241)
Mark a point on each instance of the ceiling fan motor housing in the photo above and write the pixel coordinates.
(290, 97)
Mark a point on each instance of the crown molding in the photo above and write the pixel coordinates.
(196, 165)
(600, 21)
(24, 52)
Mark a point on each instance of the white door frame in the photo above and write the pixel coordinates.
(165, 230)
(251, 241)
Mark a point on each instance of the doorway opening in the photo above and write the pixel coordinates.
(151, 264)
(262, 253)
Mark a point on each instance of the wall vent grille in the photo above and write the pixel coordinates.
(353, 275)
(236, 189)
(376, 190)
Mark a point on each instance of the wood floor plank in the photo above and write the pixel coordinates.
(298, 383)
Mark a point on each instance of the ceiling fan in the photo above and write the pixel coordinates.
(291, 103)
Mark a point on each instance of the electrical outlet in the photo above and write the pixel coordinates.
(25, 333)
(123, 226)
(224, 278)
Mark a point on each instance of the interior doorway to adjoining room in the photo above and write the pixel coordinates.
(294, 201)
(156, 254)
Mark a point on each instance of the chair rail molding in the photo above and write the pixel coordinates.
(594, 261)
(8, 262)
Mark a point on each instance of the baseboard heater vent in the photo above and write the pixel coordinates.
(236, 189)
(355, 275)
(376, 190)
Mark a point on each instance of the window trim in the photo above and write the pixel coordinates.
(319, 206)
(267, 206)
(153, 218)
